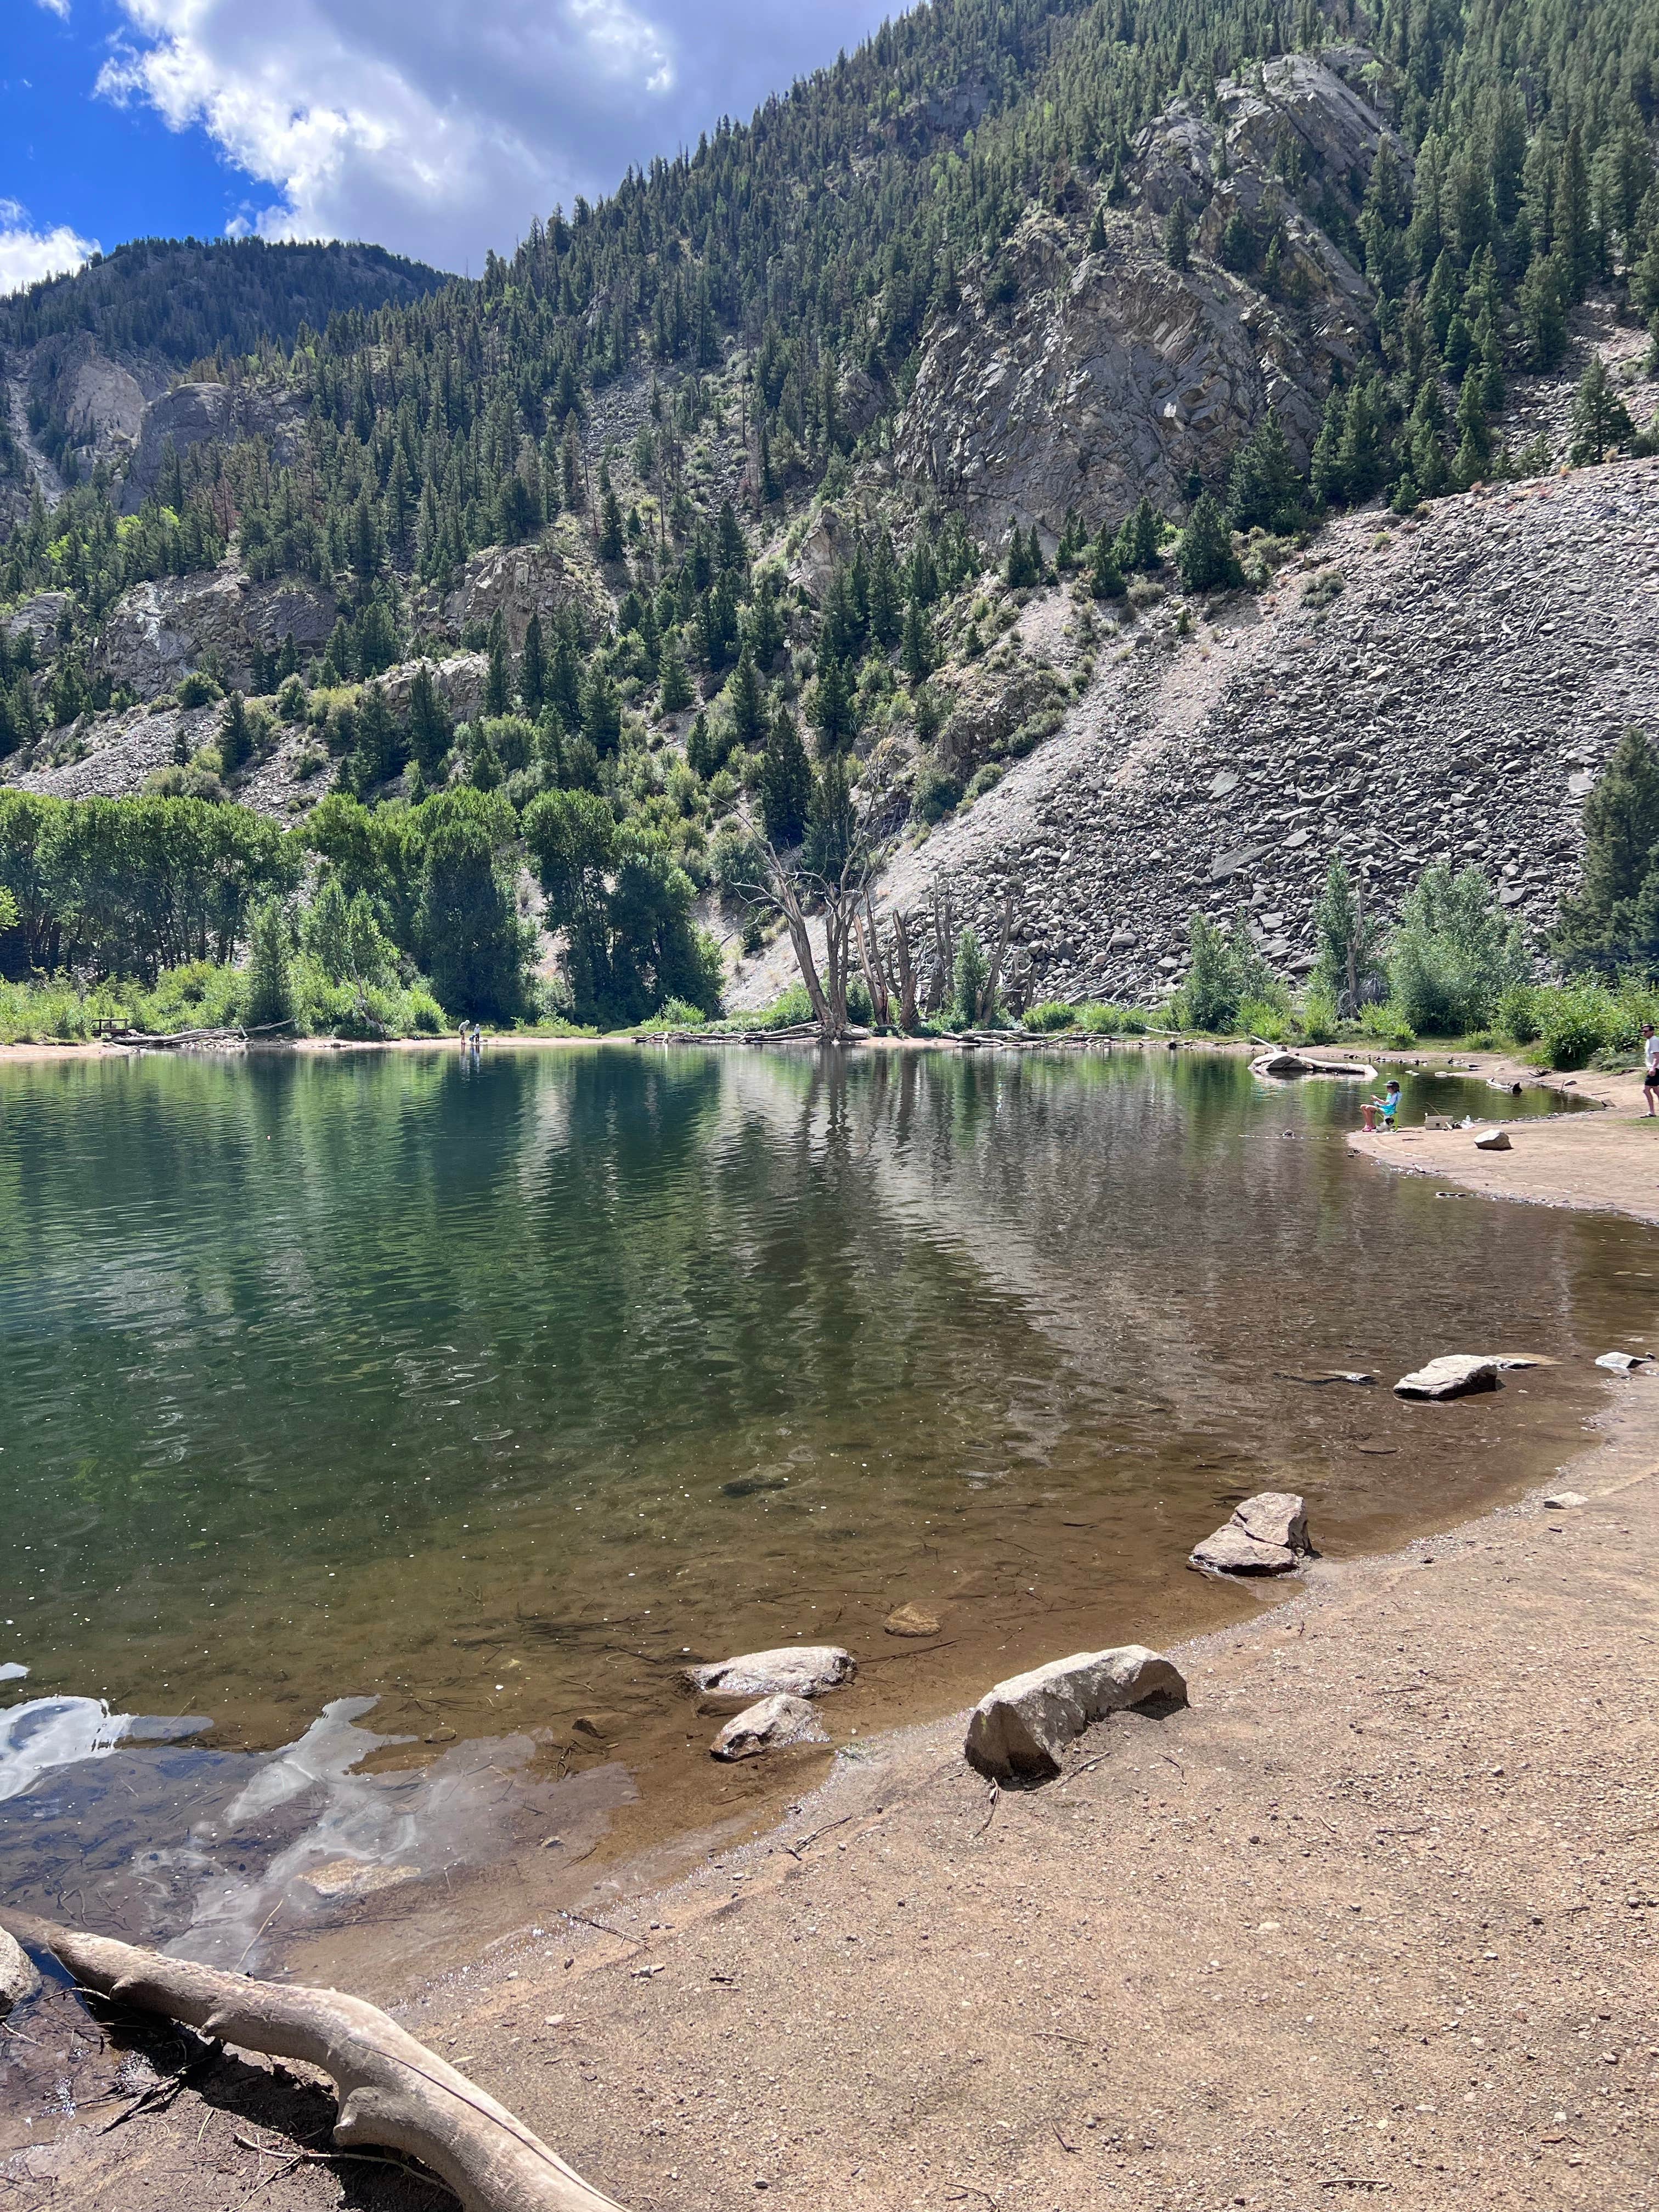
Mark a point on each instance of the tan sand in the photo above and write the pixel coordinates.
(1601, 1163)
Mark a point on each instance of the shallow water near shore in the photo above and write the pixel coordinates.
(492, 1394)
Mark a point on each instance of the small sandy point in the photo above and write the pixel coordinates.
(1604, 1162)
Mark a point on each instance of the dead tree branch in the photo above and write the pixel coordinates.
(395, 2094)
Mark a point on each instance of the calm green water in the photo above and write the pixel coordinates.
(490, 1391)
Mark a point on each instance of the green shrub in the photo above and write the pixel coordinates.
(1052, 1014)
(1319, 1019)
(1387, 1024)
(1573, 1024)
(984, 779)
(1264, 1018)
(196, 690)
(934, 794)
(786, 1012)
(1516, 1012)
(1102, 1020)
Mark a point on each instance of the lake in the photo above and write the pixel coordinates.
(493, 1393)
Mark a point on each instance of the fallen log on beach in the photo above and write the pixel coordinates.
(395, 2094)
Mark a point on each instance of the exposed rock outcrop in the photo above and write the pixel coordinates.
(156, 632)
(522, 580)
(197, 414)
(1066, 379)
(1452, 700)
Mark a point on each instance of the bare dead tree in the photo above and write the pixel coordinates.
(870, 956)
(942, 914)
(905, 973)
(395, 2094)
(830, 875)
(988, 996)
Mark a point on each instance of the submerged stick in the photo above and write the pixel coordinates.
(394, 2092)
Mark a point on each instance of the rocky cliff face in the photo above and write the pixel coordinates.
(1444, 691)
(1069, 379)
(156, 632)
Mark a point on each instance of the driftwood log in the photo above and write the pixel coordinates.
(395, 2094)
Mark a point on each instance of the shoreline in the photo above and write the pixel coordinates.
(901, 1813)
(1338, 1924)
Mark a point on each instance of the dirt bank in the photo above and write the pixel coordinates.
(1378, 1914)
(1607, 1162)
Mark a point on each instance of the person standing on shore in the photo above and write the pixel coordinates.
(1650, 1066)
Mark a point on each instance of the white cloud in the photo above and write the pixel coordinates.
(58, 8)
(440, 129)
(26, 255)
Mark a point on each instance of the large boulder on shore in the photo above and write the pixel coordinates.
(770, 1725)
(1018, 1731)
(793, 1670)
(1267, 1535)
(19, 1978)
(1454, 1375)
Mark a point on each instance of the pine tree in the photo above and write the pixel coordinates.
(1572, 239)
(1363, 456)
(430, 732)
(1327, 482)
(1178, 236)
(610, 545)
(378, 748)
(1097, 228)
(1598, 930)
(270, 972)
(1264, 489)
(1105, 577)
(886, 603)
(833, 714)
(786, 781)
(533, 668)
(235, 745)
(673, 684)
(601, 711)
(916, 652)
(1472, 462)
(1139, 538)
(1019, 570)
(1204, 556)
(1601, 420)
(747, 701)
(1543, 313)
(498, 675)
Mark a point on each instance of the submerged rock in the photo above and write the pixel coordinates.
(911, 1620)
(1624, 1363)
(1267, 1535)
(18, 1976)
(348, 1878)
(796, 1670)
(770, 1725)
(1454, 1375)
(1018, 1730)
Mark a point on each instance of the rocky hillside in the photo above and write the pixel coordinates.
(88, 362)
(1442, 689)
(1079, 376)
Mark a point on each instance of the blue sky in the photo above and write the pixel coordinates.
(435, 127)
